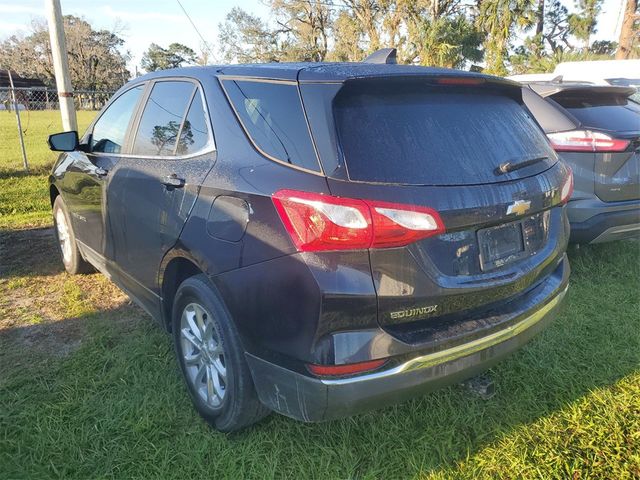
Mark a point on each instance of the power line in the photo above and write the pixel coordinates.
(206, 44)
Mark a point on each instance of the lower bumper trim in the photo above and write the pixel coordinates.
(312, 399)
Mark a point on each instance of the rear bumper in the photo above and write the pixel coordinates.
(594, 221)
(312, 399)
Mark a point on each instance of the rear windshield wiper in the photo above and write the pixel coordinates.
(507, 167)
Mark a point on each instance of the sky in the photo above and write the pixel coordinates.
(163, 21)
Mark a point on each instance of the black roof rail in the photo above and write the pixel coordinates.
(384, 55)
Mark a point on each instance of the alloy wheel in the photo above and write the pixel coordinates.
(203, 354)
(63, 235)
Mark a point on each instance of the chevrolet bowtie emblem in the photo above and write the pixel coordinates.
(519, 207)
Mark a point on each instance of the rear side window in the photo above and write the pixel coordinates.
(194, 135)
(273, 118)
(110, 130)
(162, 118)
(407, 133)
(602, 111)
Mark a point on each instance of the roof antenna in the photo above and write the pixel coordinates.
(384, 55)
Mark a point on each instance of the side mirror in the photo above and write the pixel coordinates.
(64, 142)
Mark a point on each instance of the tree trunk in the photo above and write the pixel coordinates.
(540, 17)
(627, 32)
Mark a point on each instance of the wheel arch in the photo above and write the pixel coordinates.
(176, 267)
(53, 193)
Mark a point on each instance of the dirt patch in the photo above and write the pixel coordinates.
(45, 311)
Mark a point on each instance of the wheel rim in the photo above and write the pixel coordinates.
(203, 354)
(63, 236)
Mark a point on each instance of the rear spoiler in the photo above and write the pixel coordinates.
(547, 90)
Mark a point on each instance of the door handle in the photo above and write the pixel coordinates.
(172, 181)
(101, 172)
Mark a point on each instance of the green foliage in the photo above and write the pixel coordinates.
(583, 23)
(425, 32)
(498, 18)
(158, 58)
(96, 59)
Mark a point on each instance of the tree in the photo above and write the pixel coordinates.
(583, 23)
(630, 32)
(499, 19)
(245, 38)
(158, 58)
(96, 59)
(306, 25)
(430, 32)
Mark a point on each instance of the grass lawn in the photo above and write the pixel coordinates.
(89, 387)
(24, 198)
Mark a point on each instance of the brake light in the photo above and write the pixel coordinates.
(346, 369)
(567, 187)
(586, 141)
(459, 81)
(319, 222)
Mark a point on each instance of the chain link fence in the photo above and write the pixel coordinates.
(28, 118)
(36, 98)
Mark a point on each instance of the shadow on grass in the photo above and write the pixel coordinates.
(29, 253)
(114, 403)
(35, 170)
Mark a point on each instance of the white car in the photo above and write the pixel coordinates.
(597, 72)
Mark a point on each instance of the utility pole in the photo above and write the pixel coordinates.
(61, 64)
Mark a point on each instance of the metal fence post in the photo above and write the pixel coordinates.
(17, 109)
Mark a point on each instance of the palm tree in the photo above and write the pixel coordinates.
(498, 19)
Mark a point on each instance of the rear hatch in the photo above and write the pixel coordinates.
(614, 121)
(468, 150)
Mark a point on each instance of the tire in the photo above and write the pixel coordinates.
(215, 370)
(71, 257)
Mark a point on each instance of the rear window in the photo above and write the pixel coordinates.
(602, 111)
(410, 134)
(272, 116)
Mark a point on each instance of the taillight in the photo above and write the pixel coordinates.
(567, 187)
(345, 369)
(319, 222)
(586, 141)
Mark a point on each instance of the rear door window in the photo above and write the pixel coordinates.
(408, 133)
(601, 110)
(273, 118)
(194, 135)
(161, 120)
(110, 130)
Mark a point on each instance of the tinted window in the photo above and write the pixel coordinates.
(162, 118)
(273, 117)
(602, 111)
(406, 133)
(194, 135)
(110, 130)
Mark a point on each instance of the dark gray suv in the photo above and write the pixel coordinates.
(321, 239)
(596, 130)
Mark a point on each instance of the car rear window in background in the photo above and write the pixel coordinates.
(162, 118)
(409, 134)
(272, 115)
(601, 111)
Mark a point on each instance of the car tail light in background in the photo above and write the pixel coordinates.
(586, 141)
(319, 222)
(345, 369)
(567, 187)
